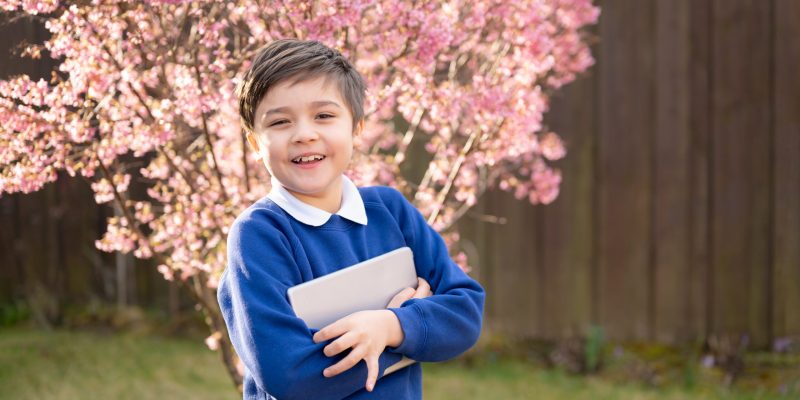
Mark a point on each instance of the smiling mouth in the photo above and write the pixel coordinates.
(308, 159)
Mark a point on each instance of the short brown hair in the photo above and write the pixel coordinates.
(299, 60)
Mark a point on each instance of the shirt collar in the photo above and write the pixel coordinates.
(352, 207)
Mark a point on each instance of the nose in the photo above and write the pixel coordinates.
(304, 133)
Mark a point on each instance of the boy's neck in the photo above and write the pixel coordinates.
(330, 202)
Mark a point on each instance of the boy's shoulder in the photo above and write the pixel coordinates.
(264, 214)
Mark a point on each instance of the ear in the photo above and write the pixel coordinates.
(358, 128)
(253, 142)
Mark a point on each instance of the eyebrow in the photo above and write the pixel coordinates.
(315, 104)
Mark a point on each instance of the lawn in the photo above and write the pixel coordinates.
(78, 365)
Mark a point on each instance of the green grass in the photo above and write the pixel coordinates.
(518, 380)
(69, 365)
(78, 365)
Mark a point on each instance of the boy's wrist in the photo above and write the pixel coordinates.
(395, 336)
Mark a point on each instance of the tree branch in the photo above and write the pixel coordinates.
(400, 156)
(206, 132)
(450, 178)
(126, 212)
(442, 197)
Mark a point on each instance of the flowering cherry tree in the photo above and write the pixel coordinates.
(145, 92)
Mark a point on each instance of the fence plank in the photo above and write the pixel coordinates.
(624, 152)
(12, 276)
(515, 283)
(671, 172)
(741, 166)
(700, 284)
(786, 167)
(567, 240)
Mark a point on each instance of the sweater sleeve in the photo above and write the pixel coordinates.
(447, 323)
(276, 346)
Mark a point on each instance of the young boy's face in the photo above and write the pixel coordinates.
(304, 132)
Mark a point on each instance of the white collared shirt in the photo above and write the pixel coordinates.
(352, 206)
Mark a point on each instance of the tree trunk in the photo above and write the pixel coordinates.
(207, 299)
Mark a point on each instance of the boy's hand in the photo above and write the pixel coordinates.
(367, 334)
(422, 291)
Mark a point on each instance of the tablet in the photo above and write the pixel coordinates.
(368, 285)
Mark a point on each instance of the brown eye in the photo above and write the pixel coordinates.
(325, 116)
(278, 122)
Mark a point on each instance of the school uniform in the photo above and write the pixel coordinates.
(280, 242)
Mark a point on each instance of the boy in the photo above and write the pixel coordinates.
(301, 103)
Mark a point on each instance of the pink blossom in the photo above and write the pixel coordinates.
(137, 99)
(212, 341)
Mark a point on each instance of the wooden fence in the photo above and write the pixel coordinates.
(679, 213)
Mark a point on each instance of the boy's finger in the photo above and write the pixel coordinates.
(372, 372)
(339, 345)
(401, 297)
(423, 289)
(346, 363)
(331, 331)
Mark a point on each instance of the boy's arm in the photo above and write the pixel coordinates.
(448, 323)
(275, 346)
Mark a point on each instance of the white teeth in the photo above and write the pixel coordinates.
(308, 158)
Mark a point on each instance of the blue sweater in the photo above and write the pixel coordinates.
(269, 252)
